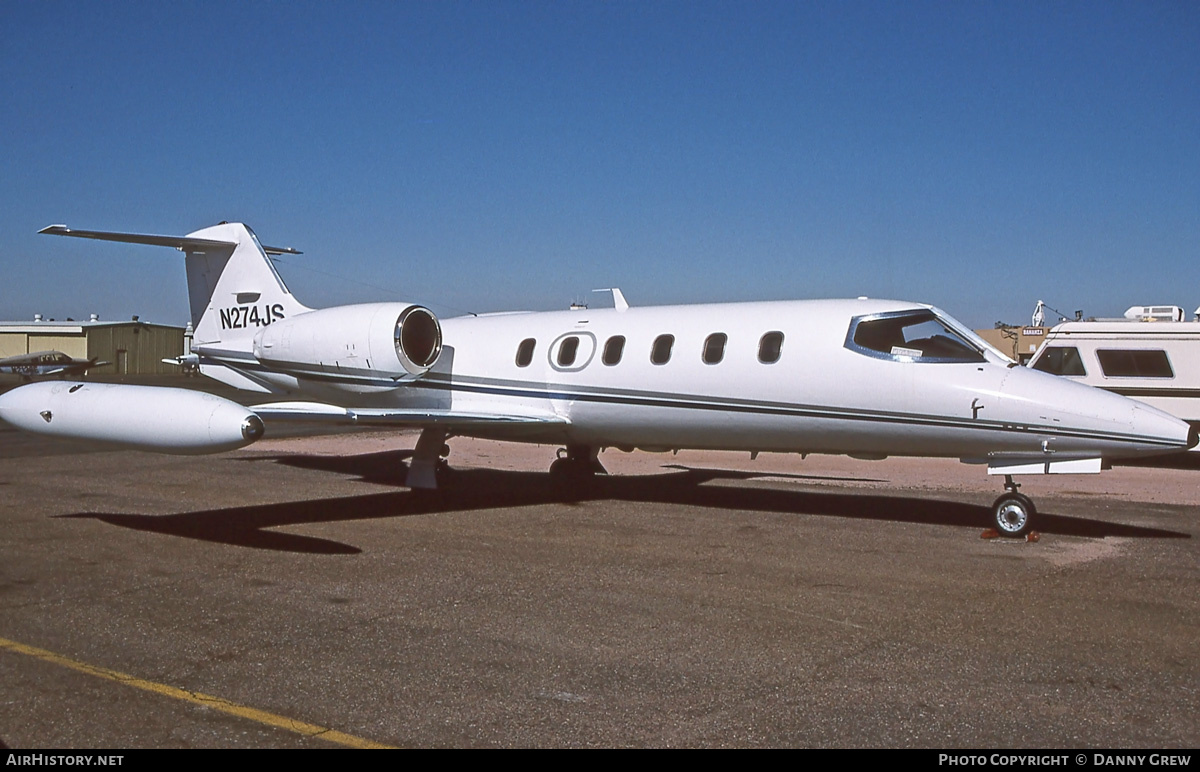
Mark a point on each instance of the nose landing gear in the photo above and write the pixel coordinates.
(1013, 513)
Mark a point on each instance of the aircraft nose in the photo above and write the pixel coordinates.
(1132, 428)
(1161, 427)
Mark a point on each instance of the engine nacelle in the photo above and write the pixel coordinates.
(156, 418)
(400, 339)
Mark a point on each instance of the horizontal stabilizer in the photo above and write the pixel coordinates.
(184, 243)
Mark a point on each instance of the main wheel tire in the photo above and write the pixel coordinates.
(1013, 515)
(571, 479)
(562, 468)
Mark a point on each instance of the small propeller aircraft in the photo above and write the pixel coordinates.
(864, 377)
(44, 363)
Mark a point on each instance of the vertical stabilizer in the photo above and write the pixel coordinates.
(233, 287)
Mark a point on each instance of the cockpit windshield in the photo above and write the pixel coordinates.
(919, 335)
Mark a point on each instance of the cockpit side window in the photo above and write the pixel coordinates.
(910, 336)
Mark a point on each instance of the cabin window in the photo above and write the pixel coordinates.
(1060, 360)
(714, 348)
(1126, 363)
(613, 350)
(911, 336)
(660, 354)
(567, 351)
(525, 352)
(769, 347)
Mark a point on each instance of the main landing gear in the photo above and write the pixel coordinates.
(1013, 513)
(428, 462)
(576, 463)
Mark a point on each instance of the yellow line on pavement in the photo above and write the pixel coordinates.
(196, 698)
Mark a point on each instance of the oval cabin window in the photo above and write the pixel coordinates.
(525, 352)
(613, 350)
(714, 348)
(567, 351)
(660, 354)
(770, 347)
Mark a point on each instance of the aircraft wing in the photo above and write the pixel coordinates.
(75, 367)
(451, 419)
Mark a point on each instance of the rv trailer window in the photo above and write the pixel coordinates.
(525, 352)
(714, 348)
(1060, 360)
(1118, 363)
(661, 353)
(567, 351)
(910, 336)
(613, 350)
(769, 347)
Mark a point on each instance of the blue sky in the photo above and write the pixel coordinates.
(481, 156)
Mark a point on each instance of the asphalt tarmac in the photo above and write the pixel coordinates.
(295, 594)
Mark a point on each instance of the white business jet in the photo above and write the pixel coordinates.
(867, 378)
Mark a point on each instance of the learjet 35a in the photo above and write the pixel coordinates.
(867, 378)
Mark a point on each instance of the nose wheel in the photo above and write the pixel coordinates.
(1013, 513)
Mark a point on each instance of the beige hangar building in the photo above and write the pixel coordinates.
(130, 347)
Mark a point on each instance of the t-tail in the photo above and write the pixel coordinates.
(233, 287)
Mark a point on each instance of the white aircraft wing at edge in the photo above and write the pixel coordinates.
(394, 417)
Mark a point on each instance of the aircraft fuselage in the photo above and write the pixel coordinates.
(788, 376)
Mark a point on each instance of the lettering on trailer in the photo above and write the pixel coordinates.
(240, 317)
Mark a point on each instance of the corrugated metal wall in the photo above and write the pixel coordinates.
(14, 343)
(72, 345)
(135, 348)
(132, 348)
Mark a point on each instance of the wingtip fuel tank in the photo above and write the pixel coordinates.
(163, 420)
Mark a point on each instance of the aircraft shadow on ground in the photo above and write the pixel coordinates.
(479, 489)
(1186, 461)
